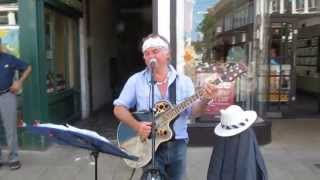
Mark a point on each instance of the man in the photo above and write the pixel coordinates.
(8, 105)
(274, 56)
(171, 155)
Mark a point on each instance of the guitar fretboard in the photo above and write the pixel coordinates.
(174, 112)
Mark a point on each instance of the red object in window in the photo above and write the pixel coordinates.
(224, 98)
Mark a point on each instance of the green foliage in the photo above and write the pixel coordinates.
(207, 27)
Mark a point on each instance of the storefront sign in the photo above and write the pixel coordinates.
(76, 4)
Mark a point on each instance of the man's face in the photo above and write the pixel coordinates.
(273, 53)
(160, 54)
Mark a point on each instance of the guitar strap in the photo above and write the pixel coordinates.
(173, 100)
(172, 93)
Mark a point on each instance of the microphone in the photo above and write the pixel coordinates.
(152, 62)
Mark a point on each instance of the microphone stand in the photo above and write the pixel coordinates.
(153, 173)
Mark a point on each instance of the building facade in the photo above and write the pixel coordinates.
(46, 35)
(82, 51)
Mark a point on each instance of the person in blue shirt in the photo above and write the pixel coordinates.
(171, 155)
(274, 57)
(8, 105)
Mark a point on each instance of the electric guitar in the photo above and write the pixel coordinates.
(165, 113)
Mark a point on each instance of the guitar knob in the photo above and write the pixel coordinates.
(143, 140)
(161, 132)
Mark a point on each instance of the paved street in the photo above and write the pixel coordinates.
(294, 154)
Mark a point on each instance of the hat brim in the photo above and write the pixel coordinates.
(250, 115)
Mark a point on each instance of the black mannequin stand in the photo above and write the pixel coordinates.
(152, 174)
(95, 155)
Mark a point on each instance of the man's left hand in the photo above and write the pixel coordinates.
(16, 87)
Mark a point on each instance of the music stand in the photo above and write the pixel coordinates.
(85, 139)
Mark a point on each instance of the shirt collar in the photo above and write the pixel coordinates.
(172, 74)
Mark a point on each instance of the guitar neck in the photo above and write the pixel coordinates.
(174, 112)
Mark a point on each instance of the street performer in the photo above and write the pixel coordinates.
(170, 157)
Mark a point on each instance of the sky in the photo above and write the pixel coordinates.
(199, 7)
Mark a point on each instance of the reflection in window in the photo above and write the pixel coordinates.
(274, 6)
(4, 18)
(216, 38)
(305, 6)
(8, 17)
(300, 5)
(228, 22)
(237, 54)
(314, 5)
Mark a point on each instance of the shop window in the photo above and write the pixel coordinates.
(314, 5)
(4, 18)
(224, 29)
(274, 6)
(9, 30)
(228, 22)
(251, 13)
(300, 5)
(8, 18)
(61, 33)
(305, 6)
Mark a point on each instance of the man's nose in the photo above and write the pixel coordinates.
(151, 56)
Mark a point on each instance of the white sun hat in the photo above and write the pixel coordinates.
(234, 120)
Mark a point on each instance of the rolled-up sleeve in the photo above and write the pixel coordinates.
(185, 90)
(18, 64)
(127, 96)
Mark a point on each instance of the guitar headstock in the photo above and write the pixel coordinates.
(233, 71)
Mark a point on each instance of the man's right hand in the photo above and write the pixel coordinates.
(144, 129)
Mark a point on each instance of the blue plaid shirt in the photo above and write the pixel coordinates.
(137, 91)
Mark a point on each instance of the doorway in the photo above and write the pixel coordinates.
(133, 22)
(293, 87)
(114, 30)
(114, 33)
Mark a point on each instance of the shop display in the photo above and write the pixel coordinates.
(59, 46)
(55, 82)
(307, 57)
(279, 86)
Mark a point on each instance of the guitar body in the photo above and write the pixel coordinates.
(134, 145)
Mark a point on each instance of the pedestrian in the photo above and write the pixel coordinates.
(9, 88)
